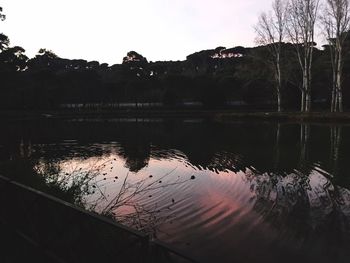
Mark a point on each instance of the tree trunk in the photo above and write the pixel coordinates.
(340, 100)
(279, 100)
(309, 76)
(279, 80)
(302, 109)
(334, 94)
(339, 80)
(308, 101)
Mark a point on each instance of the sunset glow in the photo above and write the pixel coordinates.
(106, 30)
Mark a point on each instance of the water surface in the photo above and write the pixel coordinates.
(219, 192)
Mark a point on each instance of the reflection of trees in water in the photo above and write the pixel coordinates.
(277, 153)
(304, 144)
(136, 164)
(224, 161)
(136, 154)
(268, 147)
(335, 139)
(302, 202)
(305, 194)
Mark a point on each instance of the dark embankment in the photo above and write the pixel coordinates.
(217, 115)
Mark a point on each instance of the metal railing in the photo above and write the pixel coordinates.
(66, 233)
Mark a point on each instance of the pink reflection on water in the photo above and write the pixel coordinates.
(225, 205)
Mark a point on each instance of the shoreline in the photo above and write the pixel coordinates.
(216, 115)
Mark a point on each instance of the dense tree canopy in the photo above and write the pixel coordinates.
(237, 77)
(2, 16)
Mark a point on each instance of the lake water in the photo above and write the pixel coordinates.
(218, 192)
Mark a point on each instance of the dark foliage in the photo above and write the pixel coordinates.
(236, 77)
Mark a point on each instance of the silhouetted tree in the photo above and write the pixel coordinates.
(213, 78)
(302, 16)
(2, 16)
(133, 56)
(271, 30)
(13, 59)
(4, 42)
(255, 78)
(336, 23)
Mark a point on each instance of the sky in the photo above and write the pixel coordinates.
(105, 30)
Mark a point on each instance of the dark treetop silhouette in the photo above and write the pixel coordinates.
(236, 77)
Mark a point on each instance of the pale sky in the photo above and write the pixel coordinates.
(105, 30)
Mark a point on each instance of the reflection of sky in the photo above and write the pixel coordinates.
(247, 192)
(213, 188)
(237, 209)
(106, 30)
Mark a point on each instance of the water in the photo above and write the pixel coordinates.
(219, 192)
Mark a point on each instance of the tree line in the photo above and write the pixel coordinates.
(295, 21)
(285, 71)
